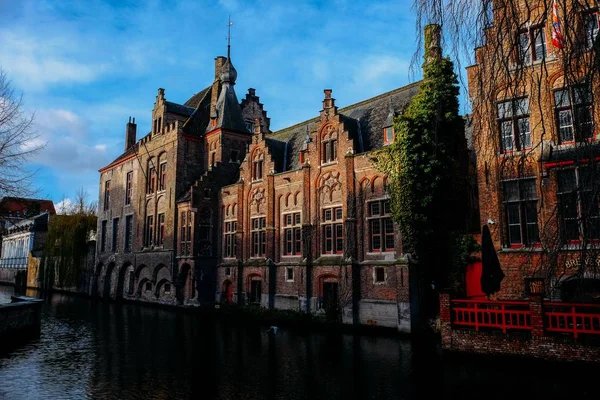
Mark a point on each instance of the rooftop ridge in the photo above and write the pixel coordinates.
(348, 107)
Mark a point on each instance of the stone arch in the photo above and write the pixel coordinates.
(188, 286)
(96, 279)
(141, 286)
(106, 290)
(296, 197)
(287, 199)
(161, 270)
(124, 280)
(159, 285)
(139, 270)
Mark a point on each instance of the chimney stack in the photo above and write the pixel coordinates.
(328, 102)
(433, 42)
(130, 133)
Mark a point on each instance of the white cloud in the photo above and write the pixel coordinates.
(100, 147)
(63, 206)
(34, 63)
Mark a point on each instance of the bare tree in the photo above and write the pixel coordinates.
(534, 99)
(18, 142)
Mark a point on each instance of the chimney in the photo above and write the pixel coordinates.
(328, 102)
(214, 95)
(130, 132)
(433, 42)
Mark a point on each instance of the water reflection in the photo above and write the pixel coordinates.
(97, 350)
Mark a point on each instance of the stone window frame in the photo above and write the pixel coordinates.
(529, 40)
(229, 238)
(522, 202)
(376, 276)
(258, 236)
(333, 223)
(128, 187)
(329, 145)
(107, 194)
(292, 227)
(383, 216)
(288, 277)
(574, 103)
(511, 113)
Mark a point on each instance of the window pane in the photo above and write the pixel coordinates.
(514, 233)
(512, 213)
(506, 135)
(565, 125)
(511, 191)
(338, 213)
(389, 134)
(328, 214)
(566, 180)
(375, 227)
(540, 43)
(339, 237)
(297, 218)
(521, 107)
(504, 110)
(524, 49)
(379, 274)
(528, 189)
(375, 208)
(561, 98)
(582, 94)
(584, 122)
(591, 29)
(524, 133)
(568, 205)
(386, 207)
(531, 221)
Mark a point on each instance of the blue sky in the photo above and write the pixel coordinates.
(85, 67)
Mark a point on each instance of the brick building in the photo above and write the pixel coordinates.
(535, 114)
(211, 205)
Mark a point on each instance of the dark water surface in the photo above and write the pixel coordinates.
(95, 350)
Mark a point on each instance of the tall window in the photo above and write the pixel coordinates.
(229, 239)
(578, 203)
(151, 186)
(106, 195)
(513, 121)
(329, 145)
(115, 234)
(333, 231)
(161, 229)
(292, 234)
(591, 23)
(128, 188)
(532, 45)
(259, 237)
(149, 231)
(205, 232)
(185, 238)
(103, 237)
(520, 204)
(128, 232)
(163, 176)
(250, 126)
(573, 108)
(381, 227)
(257, 166)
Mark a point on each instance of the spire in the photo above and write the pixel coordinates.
(228, 73)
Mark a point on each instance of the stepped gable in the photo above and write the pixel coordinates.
(372, 113)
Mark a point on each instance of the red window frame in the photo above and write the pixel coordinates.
(381, 226)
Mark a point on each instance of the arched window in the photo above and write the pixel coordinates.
(329, 145)
(257, 166)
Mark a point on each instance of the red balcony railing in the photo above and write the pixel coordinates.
(572, 318)
(502, 315)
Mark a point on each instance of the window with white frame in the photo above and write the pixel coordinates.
(259, 237)
(229, 229)
(333, 230)
(532, 45)
(379, 275)
(573, 111)
(289, 274)
(513, 122)
(520, 205)
(292, 234)
(381, 226)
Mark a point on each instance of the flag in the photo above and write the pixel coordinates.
(557, 37)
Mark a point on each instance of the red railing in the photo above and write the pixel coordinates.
(572, 318)
(502, 315)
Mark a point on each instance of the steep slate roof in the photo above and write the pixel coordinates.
(364, 121)
(175, 108)
(195, 100)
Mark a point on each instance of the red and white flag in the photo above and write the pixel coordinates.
(557, 37)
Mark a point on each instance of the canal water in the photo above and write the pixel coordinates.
(96, 350)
